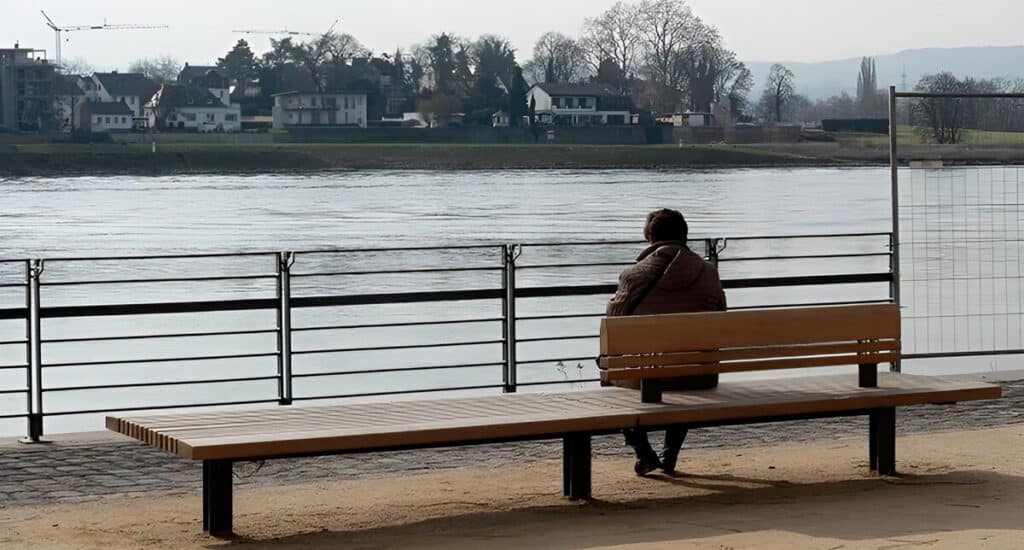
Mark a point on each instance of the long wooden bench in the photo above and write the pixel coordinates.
(634, 348)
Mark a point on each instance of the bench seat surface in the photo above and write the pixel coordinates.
(292, 431)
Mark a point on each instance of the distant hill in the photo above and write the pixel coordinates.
(827, 78)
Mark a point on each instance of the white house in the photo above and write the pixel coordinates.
(313, 109)
(190, 108)
(132, 89)
(96, 117)
(501, 119)
(579, 105)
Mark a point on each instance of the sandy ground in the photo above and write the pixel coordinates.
(956, 490)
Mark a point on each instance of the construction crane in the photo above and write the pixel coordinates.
(58, 30)
(286, 31)
(283, 31)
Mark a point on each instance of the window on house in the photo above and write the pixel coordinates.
(345, 100)
(211, 117)
(570, 103)
(124, 120)
(106, 120)
(97, 119)
(191, 117)
(584, 103)
(231, 117)
(360, 100)
(556, 102)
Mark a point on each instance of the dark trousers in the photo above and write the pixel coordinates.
(674, 438)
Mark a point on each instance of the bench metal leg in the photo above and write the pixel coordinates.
(873, 442)
(576, 466)
(217, 499)
(867, 377)
(883, 426)
(650, 390)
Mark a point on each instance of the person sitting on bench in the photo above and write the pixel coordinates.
(667, 278)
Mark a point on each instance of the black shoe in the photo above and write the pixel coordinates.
(646, 465)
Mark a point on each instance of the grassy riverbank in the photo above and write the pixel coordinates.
(64, 159)
(60, 159)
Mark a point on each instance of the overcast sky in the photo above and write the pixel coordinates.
(758, 30)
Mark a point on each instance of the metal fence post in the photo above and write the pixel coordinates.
(35, 353)
(285, 260)
(508, 305)
(894, 239)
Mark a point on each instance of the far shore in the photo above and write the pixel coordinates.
(49, 160)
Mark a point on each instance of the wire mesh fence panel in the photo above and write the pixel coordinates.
(960, 224)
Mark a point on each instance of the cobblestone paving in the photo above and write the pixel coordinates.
(80, 471)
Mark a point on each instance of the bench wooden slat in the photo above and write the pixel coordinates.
(297, 430)
(670, 371)
(699, 357)
(739, 329)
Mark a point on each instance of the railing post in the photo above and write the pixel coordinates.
(508, 305)
(285, 260)
(35, 353)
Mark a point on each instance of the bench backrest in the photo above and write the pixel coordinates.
(666, 346)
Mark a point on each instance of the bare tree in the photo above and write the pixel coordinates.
(779, 90)
(614, 35)
(76, 66)
(557, 58)
(942, 119)
(667, 30)
(162, 69)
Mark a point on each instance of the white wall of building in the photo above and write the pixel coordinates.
(202, 119)
(111, 123)
(320, 110)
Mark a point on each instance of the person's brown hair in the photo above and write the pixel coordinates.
(666, 225)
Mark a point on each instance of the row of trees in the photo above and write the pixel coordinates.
(656, 51)
(943, 120)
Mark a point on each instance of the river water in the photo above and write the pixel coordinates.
(121, 216)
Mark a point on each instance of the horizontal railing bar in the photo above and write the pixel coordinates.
(15, 415)
(927, 95)
(565, 316)
(398, 392)
(13, 313)
(396, 272)
(398, 325)
(159, 256)
(111, 310)
(159, 280)
(814, 304)
(399, 249)
(11, 392)
(398, 298)
(13, 367)
(962, 279)
(403, 369)
(158, 384)
(558, 360)
(555, 266)
(956, 354)
(13, 342)
(767, 282)
(807, 257)
(161, 360)
(795, 237)
(161, 407)
(392, 348)
(13, 285)
(157, 336)
(558, 338)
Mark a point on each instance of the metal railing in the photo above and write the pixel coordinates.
(131, 333)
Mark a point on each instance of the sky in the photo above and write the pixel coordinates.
(758, 30)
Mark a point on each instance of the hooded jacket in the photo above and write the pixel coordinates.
(669, 278)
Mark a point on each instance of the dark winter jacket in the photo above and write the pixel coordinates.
(669, 278)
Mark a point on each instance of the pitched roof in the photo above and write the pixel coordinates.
(599, 90)
(183, 95)
(106, 108)
(188, 72)
(127, 84)
(65, 86)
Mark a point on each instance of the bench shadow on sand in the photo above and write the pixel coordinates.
(851, 510)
